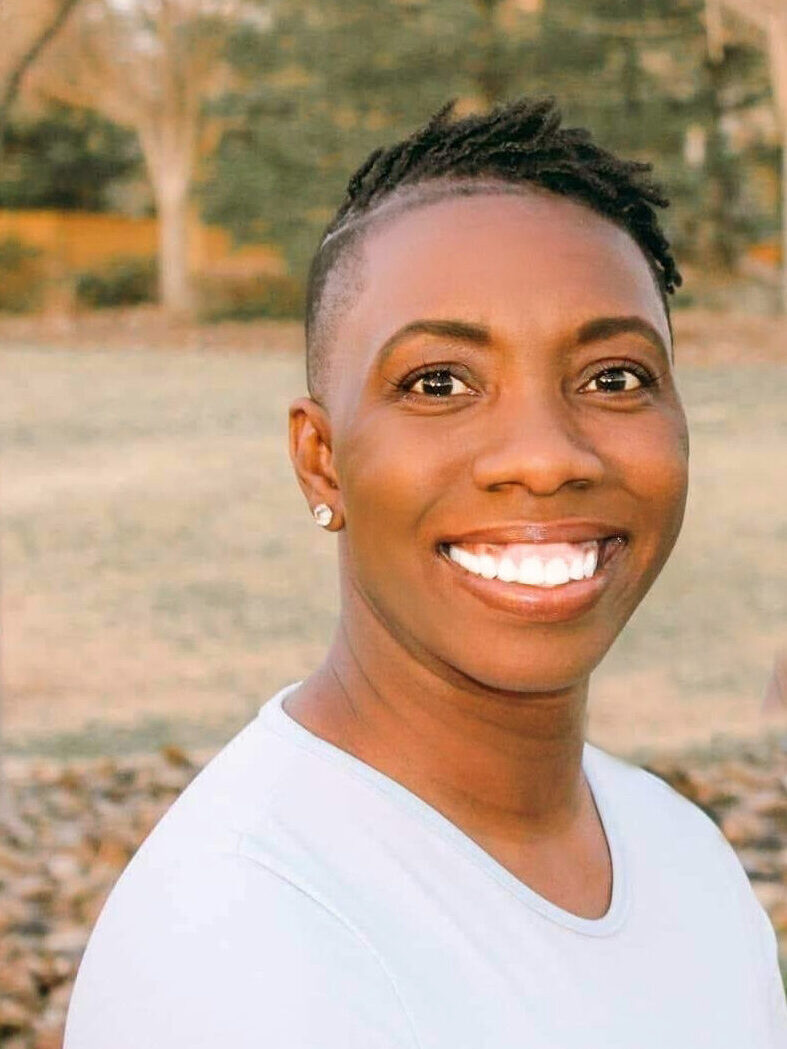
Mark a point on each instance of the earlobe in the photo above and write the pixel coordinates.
(311, 455)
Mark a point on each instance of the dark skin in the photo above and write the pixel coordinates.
(481, 710)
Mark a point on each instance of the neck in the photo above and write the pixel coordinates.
(503, 765)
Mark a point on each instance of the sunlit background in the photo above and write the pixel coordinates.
(166, 169)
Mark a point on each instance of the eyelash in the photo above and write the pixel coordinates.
(646, 378)
(403, 385)
(643, 374)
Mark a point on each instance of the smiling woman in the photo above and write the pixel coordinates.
(415, 846)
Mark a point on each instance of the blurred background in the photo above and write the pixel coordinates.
(166, 169)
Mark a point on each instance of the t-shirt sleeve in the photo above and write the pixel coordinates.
(226, 953)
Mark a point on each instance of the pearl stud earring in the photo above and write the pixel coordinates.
(323, 514)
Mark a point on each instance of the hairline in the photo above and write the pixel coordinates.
(409, 196)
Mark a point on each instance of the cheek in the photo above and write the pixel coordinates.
(390, 478)
(651, 464)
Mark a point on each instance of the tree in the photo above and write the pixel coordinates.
(70, 159)
(317, 90)
(27, 30)
(502, 50)
(330, 80)
(150, 65)
(770, 18)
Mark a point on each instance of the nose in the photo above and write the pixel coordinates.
(536, 442)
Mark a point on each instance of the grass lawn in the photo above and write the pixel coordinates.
(162, 577)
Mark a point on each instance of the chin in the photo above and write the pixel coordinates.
(535, 680)
(529, 668)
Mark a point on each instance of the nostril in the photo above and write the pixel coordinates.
(541, 469)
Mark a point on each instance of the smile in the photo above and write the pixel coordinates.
(530, 564)
(540, 581)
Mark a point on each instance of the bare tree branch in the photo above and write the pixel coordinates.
(150, 65)
(14, 82)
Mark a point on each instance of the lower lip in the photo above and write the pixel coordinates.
(535, 603)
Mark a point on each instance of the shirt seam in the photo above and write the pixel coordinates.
(356, 933)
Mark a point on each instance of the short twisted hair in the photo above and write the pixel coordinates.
(521, 144)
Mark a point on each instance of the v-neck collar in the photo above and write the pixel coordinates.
(274, 717)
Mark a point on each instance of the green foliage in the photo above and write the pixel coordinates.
(66, 159)
(125, 281)
(318, 84)
(328, 81)
(244, 298)
(21, 277)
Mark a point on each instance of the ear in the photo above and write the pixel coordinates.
(311, 455)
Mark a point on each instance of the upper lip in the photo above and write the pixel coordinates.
(569, 530)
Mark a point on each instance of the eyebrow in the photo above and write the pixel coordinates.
(451, 329)
(591, 331)
(604, 327)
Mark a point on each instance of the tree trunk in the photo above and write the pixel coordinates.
(175, 291)
(169, 160)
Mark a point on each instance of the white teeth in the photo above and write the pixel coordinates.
(462, 557)
(507, 570)
(531, 571)
(556, 572)
(577, 568)
(472, 563)
(487, 566)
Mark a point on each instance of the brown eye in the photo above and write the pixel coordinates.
(439, 383)
(616, 380)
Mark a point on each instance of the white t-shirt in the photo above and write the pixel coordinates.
(295, 898)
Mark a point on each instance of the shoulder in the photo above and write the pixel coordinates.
(637, 791)
(222, 947)
(663, 827)
(252, 778)
(225, 952)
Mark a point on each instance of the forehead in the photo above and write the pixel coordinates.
(527, 263)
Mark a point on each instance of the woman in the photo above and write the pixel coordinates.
(415, 846)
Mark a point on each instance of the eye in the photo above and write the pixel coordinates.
(440, 382)
(619, 379)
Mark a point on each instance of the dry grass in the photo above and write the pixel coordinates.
(161, 575)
